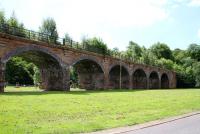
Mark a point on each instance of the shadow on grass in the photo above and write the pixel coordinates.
(21, 93)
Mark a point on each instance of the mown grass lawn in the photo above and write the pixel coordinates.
(85, 111)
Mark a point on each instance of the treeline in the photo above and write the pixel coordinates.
(186, 63)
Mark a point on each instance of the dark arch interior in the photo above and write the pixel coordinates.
(50, 70)
(139, 79)
(153, 81)
(89, 75)
(164, 81)
(114, 77)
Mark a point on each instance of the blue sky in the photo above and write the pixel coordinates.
(174, 22)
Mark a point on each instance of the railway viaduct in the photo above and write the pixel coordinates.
(95, 71)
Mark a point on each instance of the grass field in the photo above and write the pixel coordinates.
(33, 111)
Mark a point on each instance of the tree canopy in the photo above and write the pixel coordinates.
(2, 17)
(194, 51)
(133, 51)
(161, 50)
(95, 44)
(49, 28)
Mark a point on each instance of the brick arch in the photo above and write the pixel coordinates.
(164, 81)
(139, 68)
(20, 50)
(89, 77)
(114, 80)
(88, 58)
(154, 80)
(48, 73)
(118, 64)
(139, 78)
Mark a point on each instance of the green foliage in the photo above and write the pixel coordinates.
(13, 21)
(18, 70)
(161, 50)
(115, 51)
(49, 28)
(196, 71)
(194, 51)
(2, 18)
(36, 76)
(133, 51)
(165, 63)
(179, 55)
(19, 27)
(95, 44)
(73, 75)
(68, 38)
(147, 57)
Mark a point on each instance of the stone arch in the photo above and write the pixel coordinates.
(90, 73)
(87, 58)
(118, 64)
(139, 79)
(164, 81)
(20, 50)
(54, 75)
(153, 80)
(114, 77)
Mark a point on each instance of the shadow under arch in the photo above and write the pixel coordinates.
(87, 58)
(139, 79)
(153, 80)
(90, 73)
(52, 68)
(114, 77)
(164, 81)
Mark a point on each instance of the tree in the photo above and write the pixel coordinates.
(161, 50)
(133, 51)
(49, 29)
(179, 55)
(165, 63)
(2, 18)
(68, 38)
(147, 57)
(17, 28)
(18, 70)
(36, 76)
(188, 61)
(196, 70)
(194, 51)
(95, 45)
(2, 21)
(73, 75)
(13, 21)
(115, 52)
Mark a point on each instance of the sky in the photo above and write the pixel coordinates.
(173, 22)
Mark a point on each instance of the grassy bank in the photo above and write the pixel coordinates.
(33, 111)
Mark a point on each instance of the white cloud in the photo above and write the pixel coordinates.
(92, 17)
(194, 3)
(120, 13)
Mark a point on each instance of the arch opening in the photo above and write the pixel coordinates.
(87, 74)
(52, 75)
(154, 80)
(139, 79)
(164, 81)
(114, 77)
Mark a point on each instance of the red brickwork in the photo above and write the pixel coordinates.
(55, 61)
